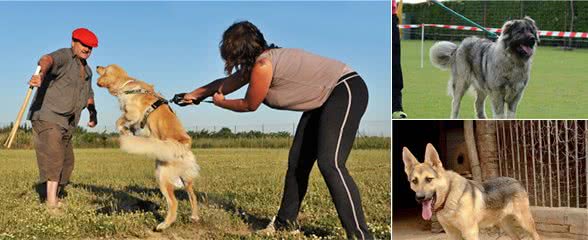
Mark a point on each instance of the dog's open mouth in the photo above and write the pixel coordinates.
(525, 48)
(428, 205)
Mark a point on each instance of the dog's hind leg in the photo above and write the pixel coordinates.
(479, 106)
(525, 219)
(167, 189)
(458, 88)
(193, 201)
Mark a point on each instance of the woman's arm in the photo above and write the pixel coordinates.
(261, 76)
(226, 85)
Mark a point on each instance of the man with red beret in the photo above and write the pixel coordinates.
(64, 90)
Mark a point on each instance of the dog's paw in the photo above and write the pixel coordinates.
(122, 130)
(162, 226)
(125, 132)
(194, 218)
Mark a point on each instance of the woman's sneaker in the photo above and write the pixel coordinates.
(399, 115)
(276, 225)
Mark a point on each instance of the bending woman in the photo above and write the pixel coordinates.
(332, 97)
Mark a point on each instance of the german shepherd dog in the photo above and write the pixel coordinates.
(162, 136)
(464, 206)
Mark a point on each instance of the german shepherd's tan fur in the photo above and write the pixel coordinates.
(463, 206)
(163, 137)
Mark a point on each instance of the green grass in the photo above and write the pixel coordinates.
(557, 88)
(114, 195)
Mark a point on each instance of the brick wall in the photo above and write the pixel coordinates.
(561, 222)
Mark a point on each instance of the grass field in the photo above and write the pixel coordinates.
(557, 88)
(114, 195)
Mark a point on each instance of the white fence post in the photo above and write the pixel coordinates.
(422, 44)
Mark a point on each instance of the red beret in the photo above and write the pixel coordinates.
(85, 36)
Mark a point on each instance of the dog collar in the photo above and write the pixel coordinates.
(125, 84)
(444, 200)
(132, 91)
(120, 91)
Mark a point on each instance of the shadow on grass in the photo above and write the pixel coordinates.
(121, 201)
(227, 202)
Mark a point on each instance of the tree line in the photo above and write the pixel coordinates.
(223, 138)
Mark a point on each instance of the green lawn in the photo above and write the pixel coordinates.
(558, 87)
(114, 195)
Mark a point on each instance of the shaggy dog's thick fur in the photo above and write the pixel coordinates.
(500, 70)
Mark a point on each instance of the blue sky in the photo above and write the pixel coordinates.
(174, 45)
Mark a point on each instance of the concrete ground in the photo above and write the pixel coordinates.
(407, 224)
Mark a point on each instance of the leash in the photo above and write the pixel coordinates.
(178, 99)
(491, 35)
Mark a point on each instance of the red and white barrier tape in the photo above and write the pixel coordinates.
(498, 30)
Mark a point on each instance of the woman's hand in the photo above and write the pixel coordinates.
(218, 98)
(191, 98)
(259, 84)
(185, 99)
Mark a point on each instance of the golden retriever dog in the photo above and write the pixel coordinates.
(149, 126)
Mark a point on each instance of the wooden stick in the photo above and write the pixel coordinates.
(16, 124)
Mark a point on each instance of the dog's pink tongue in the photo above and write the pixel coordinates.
(427, 210)
(527, 49)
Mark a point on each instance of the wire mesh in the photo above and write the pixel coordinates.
(548, 157)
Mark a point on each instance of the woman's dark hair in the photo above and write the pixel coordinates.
(242, 43)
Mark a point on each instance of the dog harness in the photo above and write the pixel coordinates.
(160, 101)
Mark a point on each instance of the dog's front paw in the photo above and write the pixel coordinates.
(162, 226)
(125, 132)
(122, 130)
(194, 218)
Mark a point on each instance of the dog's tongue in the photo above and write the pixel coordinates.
(427, 210)
(527, 49)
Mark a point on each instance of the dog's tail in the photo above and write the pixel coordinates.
(442, 54)
(170, 151)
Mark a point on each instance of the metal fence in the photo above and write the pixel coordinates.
(548, 157)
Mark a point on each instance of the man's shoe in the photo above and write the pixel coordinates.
(399, 115)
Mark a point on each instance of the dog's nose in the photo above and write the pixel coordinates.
(97, 67)
(420, 197)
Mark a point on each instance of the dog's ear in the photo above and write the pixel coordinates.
(506, 27)
(432, 157)
(534, 25)
(409, 160)
(529, 19)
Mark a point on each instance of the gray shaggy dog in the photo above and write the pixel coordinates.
(500, 70)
